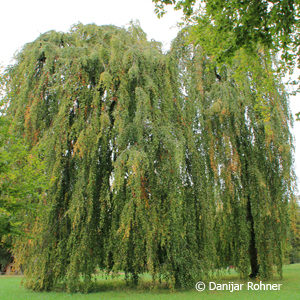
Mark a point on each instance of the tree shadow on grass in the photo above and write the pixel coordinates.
(121, 285)
(117, 284)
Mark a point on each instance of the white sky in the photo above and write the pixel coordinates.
(22, 21)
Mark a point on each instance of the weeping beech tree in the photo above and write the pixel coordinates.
(157, 162)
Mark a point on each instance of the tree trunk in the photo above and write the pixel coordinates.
(252, 246)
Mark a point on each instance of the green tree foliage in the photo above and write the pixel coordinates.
(22, 182)
(157, 163)
(227, 26)
(223, 28)
(252, 188)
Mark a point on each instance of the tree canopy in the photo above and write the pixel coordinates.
(158, 163)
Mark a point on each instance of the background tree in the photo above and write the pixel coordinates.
(22, 182)
(224, 27)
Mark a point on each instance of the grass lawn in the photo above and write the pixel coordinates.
(11, 288)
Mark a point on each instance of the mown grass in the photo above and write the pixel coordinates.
(11, 288)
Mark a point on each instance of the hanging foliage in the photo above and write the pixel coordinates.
(248, 150)
(158, 163)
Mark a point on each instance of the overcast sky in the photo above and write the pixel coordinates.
(22, 21)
